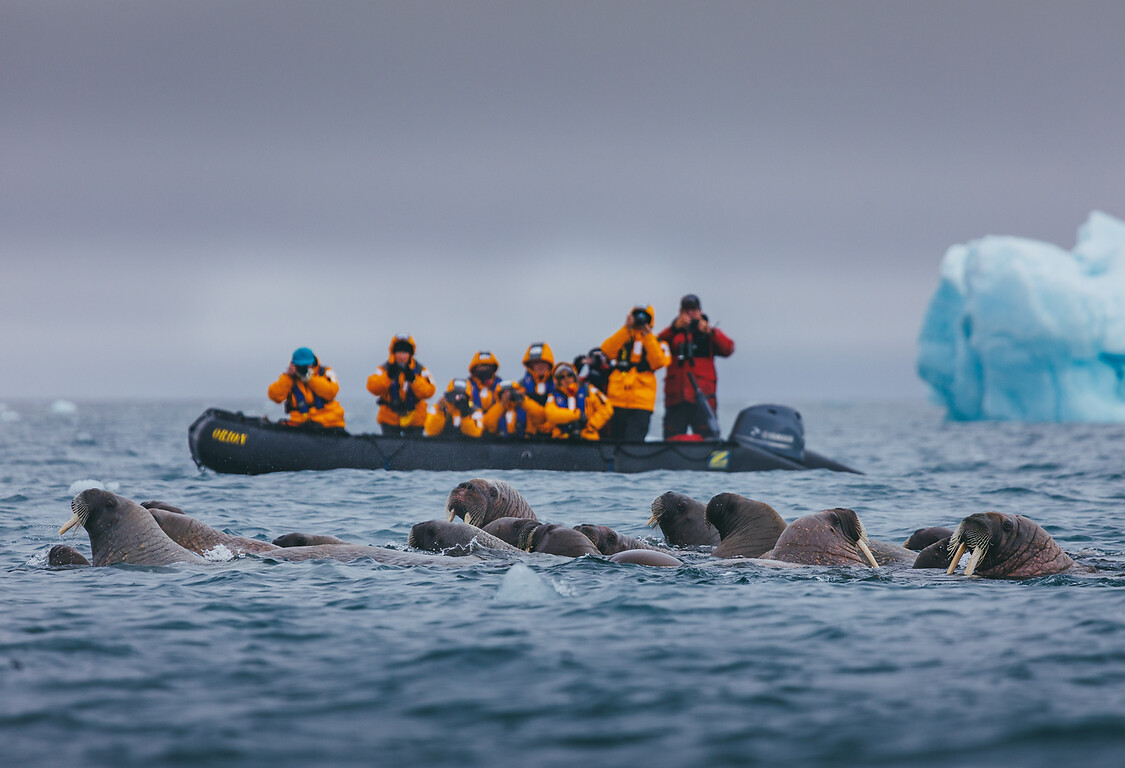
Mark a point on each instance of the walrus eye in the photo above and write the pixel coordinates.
(1007, 526)
(492, 492)
(679, 506)
(835, 519)
(110, 502)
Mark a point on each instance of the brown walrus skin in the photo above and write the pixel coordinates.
(924, 537)
(350, 552)
(647, 557)
(555, 539)
(683, 521)
(609, 541)
(479, 502)
(747, 528)
(122, 531)
(64, 555)
(830, 537)
(1006, 546)
(509, 529)
(454, 538)
(936, 555)
(306, 540)
(196, 536)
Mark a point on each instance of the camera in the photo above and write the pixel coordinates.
(302, 370)
(641, 317)
(459, 400)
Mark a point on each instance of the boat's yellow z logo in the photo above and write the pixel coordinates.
(228, 436)
(718, 460)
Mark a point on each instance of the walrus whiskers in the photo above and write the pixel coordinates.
(657, 510)
(80, 513)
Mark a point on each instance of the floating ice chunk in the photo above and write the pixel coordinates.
(63, 408)
(7, 415)
(218, 554)
(1023, 330)
(523, 585)
(84, 485)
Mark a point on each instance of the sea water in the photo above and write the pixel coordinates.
(552, 662)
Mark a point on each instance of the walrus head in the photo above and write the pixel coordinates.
(89, 501)
(682, 520)
(830, 537)
(470, 499)
(1006, 546)
(603, 537)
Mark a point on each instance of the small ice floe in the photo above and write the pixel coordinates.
(84, 485)
(63, 408)
(521, 585)
(218, 554)
(7, 415)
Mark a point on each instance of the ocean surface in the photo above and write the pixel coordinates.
(552, 662)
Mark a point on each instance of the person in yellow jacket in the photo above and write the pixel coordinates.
(402, 385)
(513, 413)
(537, 382)
(635, 354)
(482, 379)
(308, 390)
(575, 409)
(454, 415)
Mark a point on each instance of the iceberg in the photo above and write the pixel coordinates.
(1023, 330)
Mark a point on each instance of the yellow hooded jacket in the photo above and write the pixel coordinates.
(532, 416)
(588, 402)
(482, 393)
(402, 403)
(636, 386)
(436, 419)
(312, 400)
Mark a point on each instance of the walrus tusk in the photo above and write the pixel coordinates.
(452, 515)
(974, 560)
(867, 552)
(956, 558)
(74, 520)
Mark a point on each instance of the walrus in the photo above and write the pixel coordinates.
(509, 528)
(306, 540)
(924, 537)
(683, 521)
(454, 538)
(196, 536)
(646, 557)
(556, 540)
(478, 502)
(936, 555)
(63, 555)
(122, 531)
(350, 552)
(1006, 546)
(609, 541)
(830, 537)
(747, 528)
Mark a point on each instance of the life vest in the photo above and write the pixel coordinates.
(562, 400)
(297, 401)
(395, 400)
(624, 361)
(531, 387)
(518, 425)
(476, 387)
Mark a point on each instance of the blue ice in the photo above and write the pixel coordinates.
(1022, 330)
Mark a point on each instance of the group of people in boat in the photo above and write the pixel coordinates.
(607, 394)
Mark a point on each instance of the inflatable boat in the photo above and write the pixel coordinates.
(764, 437)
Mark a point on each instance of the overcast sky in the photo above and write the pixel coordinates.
(190, 190)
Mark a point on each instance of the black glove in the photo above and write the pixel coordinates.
(392, 370)
(408, 374)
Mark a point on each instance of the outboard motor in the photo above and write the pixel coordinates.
(774, 428)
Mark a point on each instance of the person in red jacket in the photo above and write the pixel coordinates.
(694, 344)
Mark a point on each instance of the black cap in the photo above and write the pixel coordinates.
(691, 301)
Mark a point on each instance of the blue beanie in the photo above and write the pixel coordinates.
(303, 356)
